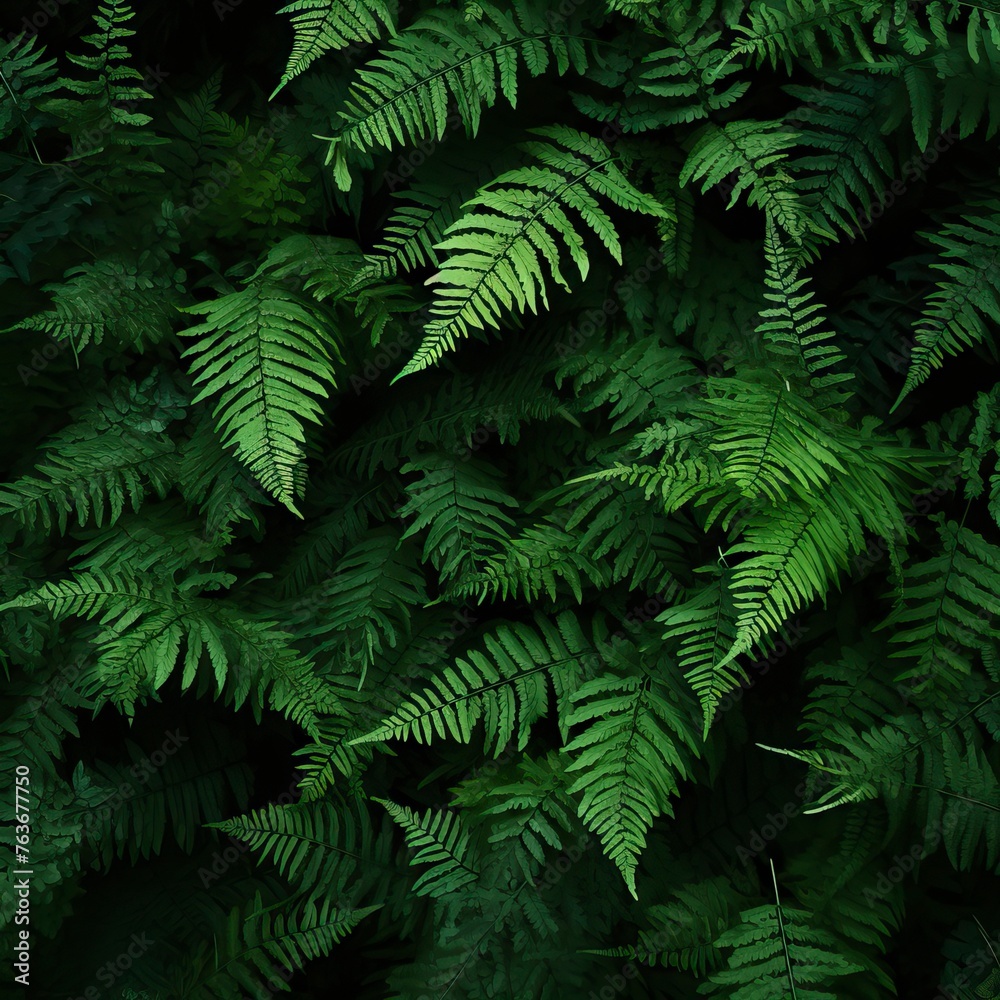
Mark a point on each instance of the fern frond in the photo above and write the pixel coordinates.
(638, 744)
(461, 503)
(757, 152)
(129, 302)
(805, 28)
(944, 618)
(144, 627)
(404, 95)
(704, 627)
(521, 222)
(849, 162)
(757, 966)
(960, 312)
(323, 25)
(264, 354)
(440, 840)
(368, 602)
(505, 685)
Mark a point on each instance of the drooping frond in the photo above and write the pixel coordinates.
(704, 629)
(848, 165)
(264, 354)
(110, 458)
(127, 302)
(366, 602)
(637, 744)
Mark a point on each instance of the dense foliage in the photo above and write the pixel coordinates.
(501, 499)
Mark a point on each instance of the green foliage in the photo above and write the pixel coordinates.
(443, 57)
(643, 639)
(265, 353)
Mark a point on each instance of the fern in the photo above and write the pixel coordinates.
(959, 310)
(143, 629)
(637, 747)
(503, 245)
(756, 152)
(264, 354)
(945, 616)
(322, 25)
(782, 33)
(440, 841)
(504, 684)
(403, 96)
(757, 964)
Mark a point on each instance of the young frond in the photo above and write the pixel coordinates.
(789, 328)
(104, 102)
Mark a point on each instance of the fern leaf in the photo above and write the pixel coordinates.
(961, 310)
(323, 25)
(520, 223)
(637, 746)
(264, 354)
(404, 95)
